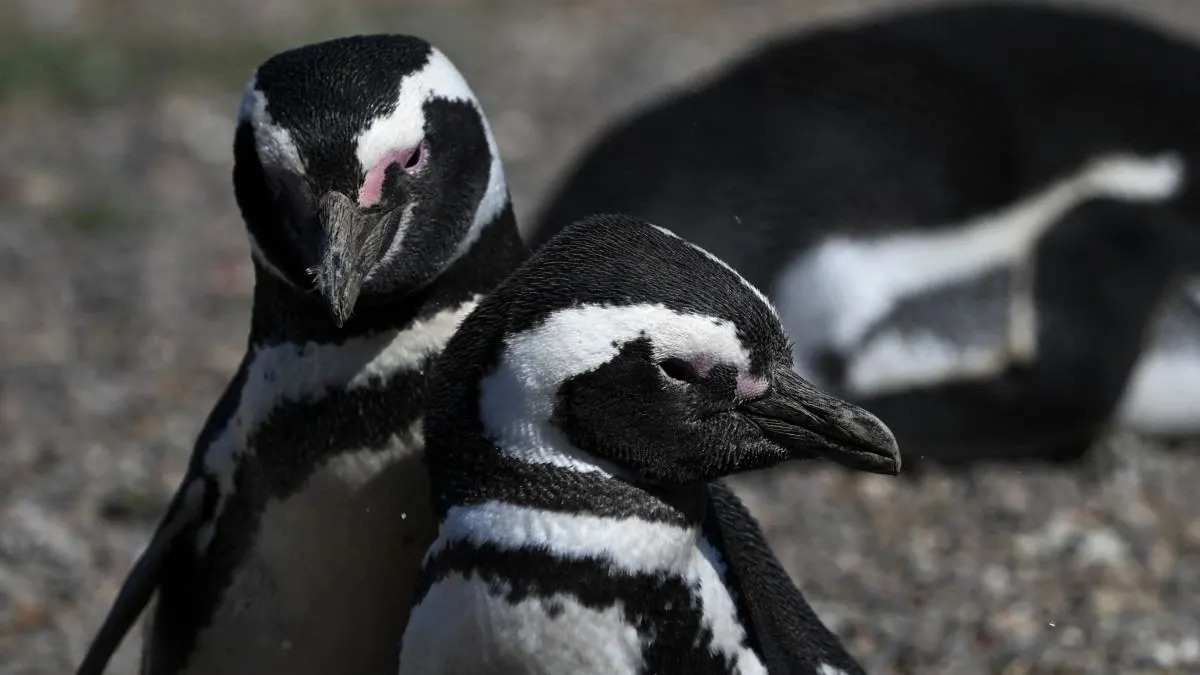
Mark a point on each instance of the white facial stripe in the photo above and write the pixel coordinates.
(404, 127)
(465, 625)
(495, 195)
(274, 143)
(517, 399)
(836, 291)
(289, 372)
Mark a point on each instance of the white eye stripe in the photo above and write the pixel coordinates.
(518, 397)
(404, 127)
(274, 144)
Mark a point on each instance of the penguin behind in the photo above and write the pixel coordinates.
(576, 420)
(377, 214)
(977, 220)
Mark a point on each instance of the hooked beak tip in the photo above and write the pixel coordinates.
(811, 423)
(874, 443)
(340, 292)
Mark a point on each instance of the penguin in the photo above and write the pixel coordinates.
(579, 424)
(977, 220)
(378, 214)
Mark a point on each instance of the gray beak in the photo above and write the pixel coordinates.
(351, 244)
(810, 423)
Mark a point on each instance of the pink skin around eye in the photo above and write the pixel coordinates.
(372, 186)
(702, 365)
(750, 386)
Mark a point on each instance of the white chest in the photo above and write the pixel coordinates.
(464, 626)
(556, 634)
(329, 578)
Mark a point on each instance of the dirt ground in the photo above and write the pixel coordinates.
(124, 298)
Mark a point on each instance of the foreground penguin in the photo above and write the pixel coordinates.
(976, 220)
(378, 213)
(575, 421)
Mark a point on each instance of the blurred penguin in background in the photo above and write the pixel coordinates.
(979, 221)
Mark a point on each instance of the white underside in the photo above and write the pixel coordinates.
(1163, 395)
(326, 586)
(832, 294)
(289, 372)
(478, 632)
(458, 611)
(329, 580)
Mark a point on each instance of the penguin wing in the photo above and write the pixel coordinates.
(185, 513)
(782, 626)
(975, 328)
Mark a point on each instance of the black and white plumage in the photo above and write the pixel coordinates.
(378, 214)
(575, 422)
(937, 201)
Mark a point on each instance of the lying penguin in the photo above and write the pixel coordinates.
(575, 422)
(977, 220)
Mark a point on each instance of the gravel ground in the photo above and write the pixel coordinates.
(124, 297)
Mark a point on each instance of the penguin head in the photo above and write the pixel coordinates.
(363, 167)
(633, 351)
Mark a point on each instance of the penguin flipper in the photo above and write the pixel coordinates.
(186, 511)
(789, 635)
(1100, 277)
(968, 330)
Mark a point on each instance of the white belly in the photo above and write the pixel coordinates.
(328, 585)
(1163, 394)
(462, 627)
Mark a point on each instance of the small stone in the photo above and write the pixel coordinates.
(1102, 547)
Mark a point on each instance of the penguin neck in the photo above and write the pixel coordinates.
(580, 517)
(284, 313)
(554, 497)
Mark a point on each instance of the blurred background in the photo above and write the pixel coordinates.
(124, 301)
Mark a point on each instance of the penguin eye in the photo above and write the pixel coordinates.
(679, 369)
(416, 158)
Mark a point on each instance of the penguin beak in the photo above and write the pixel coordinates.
(807, 423)
(350, 246)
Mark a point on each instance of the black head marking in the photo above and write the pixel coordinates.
(652, 356)
(616, 260)
(364, 166)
